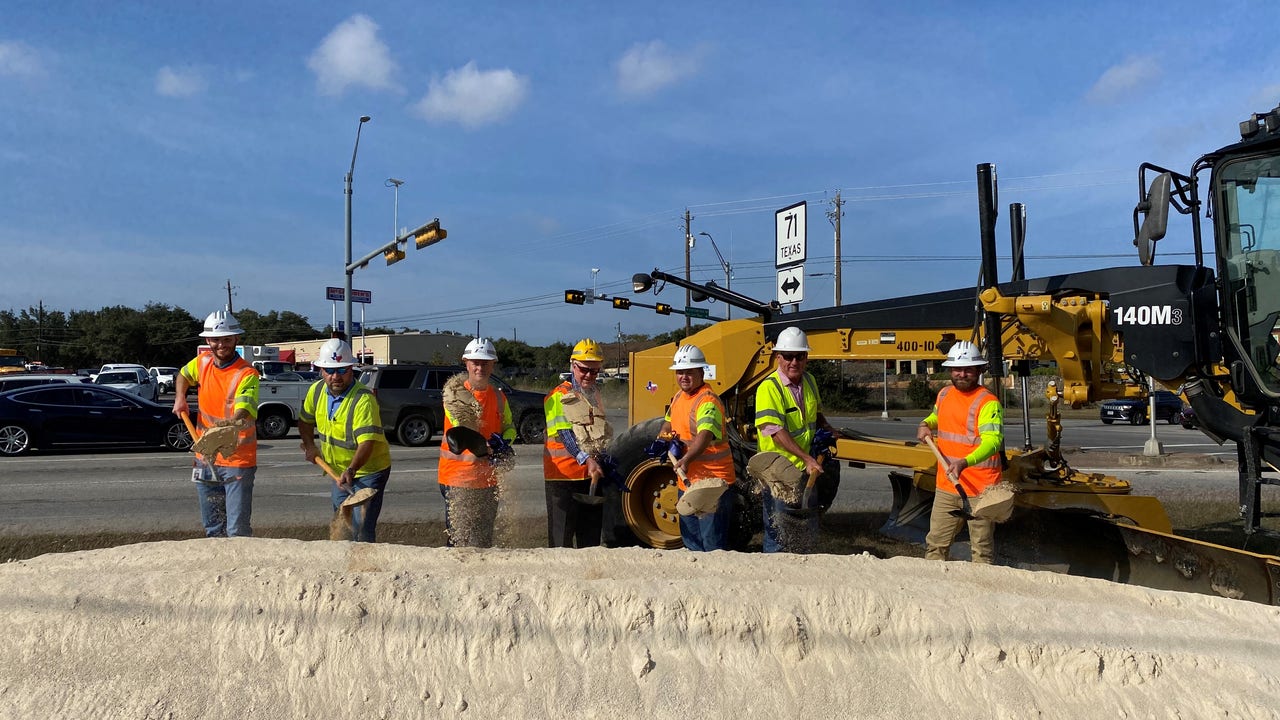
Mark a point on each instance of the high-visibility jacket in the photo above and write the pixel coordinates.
(357, 419)
(557, 462)
(970, 425)
(220, 393)
(467, 470)
(690, 415)
(776, 406)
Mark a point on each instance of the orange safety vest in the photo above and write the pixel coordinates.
(557, 462)
(958, 436)
(716, 459)
(217, 401)
(467, 470)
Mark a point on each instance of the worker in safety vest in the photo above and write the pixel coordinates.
(575, 454)
(340, 422)
(469, 483)
(696, 418)
(787, 418)
(969, 422)
(227, 394)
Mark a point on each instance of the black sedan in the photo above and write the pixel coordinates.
(77, 414)
(1134, 412)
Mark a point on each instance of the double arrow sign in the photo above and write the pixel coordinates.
(791, 236)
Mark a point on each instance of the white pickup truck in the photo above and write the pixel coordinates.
(279, 404)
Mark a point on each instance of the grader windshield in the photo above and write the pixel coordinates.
(1248, 191)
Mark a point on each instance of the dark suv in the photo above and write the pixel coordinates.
(1134, 412)
(413, 410)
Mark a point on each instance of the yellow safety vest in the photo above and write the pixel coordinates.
(356, 420)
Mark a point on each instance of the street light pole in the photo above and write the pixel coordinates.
(593, 282)
(395, 212)
(346, 300)
(728, 278)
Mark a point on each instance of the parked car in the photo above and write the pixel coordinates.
(82, 414)
(294, 376)
(21, 380)
(134, 380)
(1134, 412)
(409, 396)
(163, 377)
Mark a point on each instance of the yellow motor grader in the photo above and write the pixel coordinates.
(1212, 334)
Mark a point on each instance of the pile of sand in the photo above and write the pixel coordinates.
(282, 628)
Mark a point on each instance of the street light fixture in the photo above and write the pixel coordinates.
(346, 300)
(728, 279)
(594, 271)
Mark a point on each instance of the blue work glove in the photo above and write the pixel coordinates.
(610, 468)
(658, 449)
(499, 449)
(823, 442)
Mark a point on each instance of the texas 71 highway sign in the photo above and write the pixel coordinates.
(791, 285)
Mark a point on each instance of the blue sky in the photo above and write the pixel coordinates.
(155, 150)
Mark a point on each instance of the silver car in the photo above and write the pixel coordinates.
(135, 381)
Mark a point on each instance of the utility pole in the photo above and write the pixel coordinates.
(688, 245)
(622, 349)
(229, 309)
(834, 216)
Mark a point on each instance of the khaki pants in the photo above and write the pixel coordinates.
(943, 528)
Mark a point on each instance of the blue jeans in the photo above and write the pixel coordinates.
(364, 518)
(710, 531)
(784, 532)
(226, 499)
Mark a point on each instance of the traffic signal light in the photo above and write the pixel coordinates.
(620, 303)
(394, 255)
(429, 234)
(662, 309)
(575, 297)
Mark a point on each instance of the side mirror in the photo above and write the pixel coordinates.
(1156, 222)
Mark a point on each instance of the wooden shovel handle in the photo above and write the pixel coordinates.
(942, 459)
(671, 455)
(328, 469)
(186, 420)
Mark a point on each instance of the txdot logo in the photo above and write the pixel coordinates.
(1148, 315)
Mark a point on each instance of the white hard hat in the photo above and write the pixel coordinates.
(480, 349)
(689, 357)
(335, 353)
(964, 354)
(792, 339)
(221, 323)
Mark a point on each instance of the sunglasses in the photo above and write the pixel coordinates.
(793, 357)
(336, 371)
(586, 370)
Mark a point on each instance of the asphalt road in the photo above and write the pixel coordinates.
(145, 490)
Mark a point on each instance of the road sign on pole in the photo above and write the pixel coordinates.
(334, 293)
(790, 234)
(697, 312)
(791, 285)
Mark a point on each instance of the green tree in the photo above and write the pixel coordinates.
(920, 393)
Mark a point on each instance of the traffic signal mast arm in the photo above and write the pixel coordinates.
(429, 234)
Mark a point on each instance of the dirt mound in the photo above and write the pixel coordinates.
(282, 628)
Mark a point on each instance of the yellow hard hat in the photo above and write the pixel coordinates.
(587, 349)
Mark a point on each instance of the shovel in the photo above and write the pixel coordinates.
(340, 526)
(804, 510)
(965, 511)
(195, 437)
(462, 439)
(591, 498)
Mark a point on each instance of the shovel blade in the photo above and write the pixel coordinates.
(463, 439)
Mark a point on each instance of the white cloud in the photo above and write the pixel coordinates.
(646, 68)
(1125, 78)
(352, 55)
(20, 60)
(472, 97)
(179, 82)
